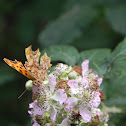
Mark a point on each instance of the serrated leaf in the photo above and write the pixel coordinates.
(117, 68)
(67, 54)
(96, 57)
(120, 50)
(115, 87)
(68, 26)
(118, 86)
(117, 61)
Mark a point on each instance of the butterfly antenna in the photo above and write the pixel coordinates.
(22, 93)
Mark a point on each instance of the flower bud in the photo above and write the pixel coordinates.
(69, 69)
(105, 124)
(29, 85)
(59, 69)
(64, 76)
(46, 81)
(104, 117)
(72, 75)
(79, 79)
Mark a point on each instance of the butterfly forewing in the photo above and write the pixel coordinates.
(19, 67)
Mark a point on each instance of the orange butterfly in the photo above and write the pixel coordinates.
(33, 69)
(19, 67)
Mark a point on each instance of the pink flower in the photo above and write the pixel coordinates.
(99, 81)
(53, 113)
(35, 89)
(84, 82)
(72, 102)
(60, 96)
(38, 110)
(85, 113)
(35, 124)
(95, 101)
(73, 86)
(95, 112)
(85, 65)
(35, 109)
(64, 122)
(52, 82)
(31, 105)
(30, 112)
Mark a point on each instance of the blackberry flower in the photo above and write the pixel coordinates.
(68, 95)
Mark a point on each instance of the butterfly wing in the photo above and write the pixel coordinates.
(19, 67)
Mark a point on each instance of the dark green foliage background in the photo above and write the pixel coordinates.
(70, 31)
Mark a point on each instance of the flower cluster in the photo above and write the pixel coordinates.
(68, 96)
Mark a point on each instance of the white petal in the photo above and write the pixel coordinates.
(73, 86)
(85, 65)
(64, 122)
(84, 82)
(53, 113)
(60, 96)
(85, 113)
(99, 81)
(52, 82)
(72, 102)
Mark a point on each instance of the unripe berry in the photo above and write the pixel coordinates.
(29, 85)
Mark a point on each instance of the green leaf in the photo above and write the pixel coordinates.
(68, 26)
(98, 3)
(114, 87)
(119, 85)
(115, 79)
(95, 37)
(67, 54)
(120, 50)
(96, 58)
(117, 18)
(117, 68)
(117, 61)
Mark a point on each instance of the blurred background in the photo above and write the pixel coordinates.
(42, 23)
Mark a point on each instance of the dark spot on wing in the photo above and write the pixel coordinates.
(25, 71)
(20, 67)
(15, 62)
(29, 70)
(20, 71)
